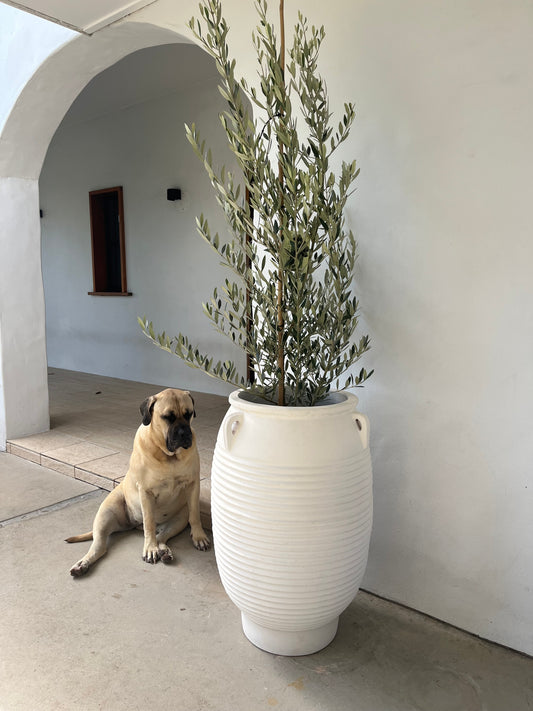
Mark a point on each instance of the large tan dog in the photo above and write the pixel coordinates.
(161, 489)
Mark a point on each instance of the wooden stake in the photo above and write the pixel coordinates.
(250, 372)
(281, 323)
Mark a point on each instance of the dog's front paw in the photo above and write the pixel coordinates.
(165, 553)
(151, 553)
(79, 569)
(200, 540)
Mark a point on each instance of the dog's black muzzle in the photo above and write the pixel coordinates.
(179, 435)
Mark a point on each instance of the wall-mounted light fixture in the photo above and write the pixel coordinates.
(173, 194)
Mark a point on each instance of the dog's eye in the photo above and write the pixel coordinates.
(188, 415)
(171, 417)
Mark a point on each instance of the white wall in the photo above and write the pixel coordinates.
(22, 340)
(444, 93)
(170, 270)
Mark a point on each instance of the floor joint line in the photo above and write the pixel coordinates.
(50, 508)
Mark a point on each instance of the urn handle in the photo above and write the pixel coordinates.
(363, 427)
(230, 426)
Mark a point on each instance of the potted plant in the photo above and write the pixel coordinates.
(291, 476)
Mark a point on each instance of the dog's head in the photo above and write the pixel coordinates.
(169, 413)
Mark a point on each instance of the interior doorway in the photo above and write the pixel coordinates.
(108, 242)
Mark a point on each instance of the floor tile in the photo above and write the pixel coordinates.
(112, 467)
(89, 477)
(79, 453)
(46, 441)
(24, 453)
(57, 466)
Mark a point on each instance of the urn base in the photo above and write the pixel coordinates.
(287, 642)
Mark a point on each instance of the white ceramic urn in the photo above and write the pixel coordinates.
(291, 506)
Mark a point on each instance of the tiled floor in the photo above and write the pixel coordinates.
(93, 420)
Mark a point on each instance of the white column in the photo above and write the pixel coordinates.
(23, 367)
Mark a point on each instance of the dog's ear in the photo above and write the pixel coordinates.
(192, 400)
(147, 408)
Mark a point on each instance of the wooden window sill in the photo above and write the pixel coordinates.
(109, 293)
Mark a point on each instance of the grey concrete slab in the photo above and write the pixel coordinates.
(25, 486)
(131, 636)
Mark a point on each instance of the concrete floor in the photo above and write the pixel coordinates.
(136, 637)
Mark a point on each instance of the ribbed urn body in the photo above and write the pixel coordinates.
(292, 515)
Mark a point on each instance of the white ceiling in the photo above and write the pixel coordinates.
(143, 75)
(80, 15)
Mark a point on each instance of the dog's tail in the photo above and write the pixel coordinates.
(80, 538)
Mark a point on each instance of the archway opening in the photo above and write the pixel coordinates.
(126, 129)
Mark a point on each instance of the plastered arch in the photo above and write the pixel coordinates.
(51, 90)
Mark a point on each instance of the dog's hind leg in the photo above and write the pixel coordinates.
(168, 530)
(110, 518)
